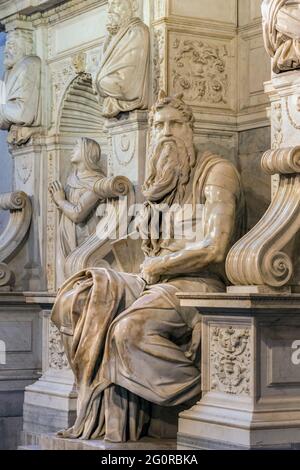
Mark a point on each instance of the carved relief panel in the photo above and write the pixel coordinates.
(227, 355)
(230, 360)
(203, 70)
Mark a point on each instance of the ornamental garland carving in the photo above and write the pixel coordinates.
(159, 44)
(57, 357)
(200, 71)
(277, 126)
(230, 355)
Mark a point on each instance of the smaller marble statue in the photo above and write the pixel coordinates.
(122, 80)
(78, 201)
(281, 27)
(20, 112)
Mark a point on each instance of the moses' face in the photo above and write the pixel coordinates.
(171, 154)
(169, 123)
(14, 51)
(119, 11)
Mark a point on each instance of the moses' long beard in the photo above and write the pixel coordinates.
(167, 185)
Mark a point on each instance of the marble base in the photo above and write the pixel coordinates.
(250, 373)
(10, 428)
(52, 442)
(50, 403)
(21, 363)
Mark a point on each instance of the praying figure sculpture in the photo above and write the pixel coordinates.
(281, 28)
(123, 80)
(19, 114)
(78, 201)
(127, 339)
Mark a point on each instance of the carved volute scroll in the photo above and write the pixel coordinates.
(19, 205)
(119, 196)
(262, 257)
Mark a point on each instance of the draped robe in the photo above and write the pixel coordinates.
(127, 342)
(22, 86)
(281, 27)
(123, 77)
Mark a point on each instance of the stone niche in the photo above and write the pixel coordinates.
(212, 53)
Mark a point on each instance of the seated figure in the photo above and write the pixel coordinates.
(123, 80)
(20, 112)
(281, 27)
(127, 339)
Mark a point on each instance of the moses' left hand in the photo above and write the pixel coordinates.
(151, 270)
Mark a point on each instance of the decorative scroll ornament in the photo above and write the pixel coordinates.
(19, 205)
(7, 278)
(262, 257)
(230, 355)
(118, 193)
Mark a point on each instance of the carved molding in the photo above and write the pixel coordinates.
(277, 125)
(80, 109)
(124, 148)
(51, 226)
(57, 358)
(230, 360)
(263, 256)
(200, 71)
(293, 123)
(120, 195)
(159, 61)
(19, 205)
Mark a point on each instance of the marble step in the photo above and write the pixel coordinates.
(51, 442)
(31, 447)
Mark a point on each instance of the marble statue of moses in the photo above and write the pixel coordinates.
(128, 341)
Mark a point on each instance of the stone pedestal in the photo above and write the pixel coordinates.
(127, 137)
(250, 373)
(50, 403)
(20, 361)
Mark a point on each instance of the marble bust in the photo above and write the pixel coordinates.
(77, 201)
(122, 80)
(281, 28)
(20, 112)
(127, 339)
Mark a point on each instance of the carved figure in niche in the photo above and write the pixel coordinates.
(127, 339)
(122, 80)
(78, 201)
(20, 112)
(281, 27)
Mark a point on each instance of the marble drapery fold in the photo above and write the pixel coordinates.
(281, 28)
(123, 77)
(22, 87)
